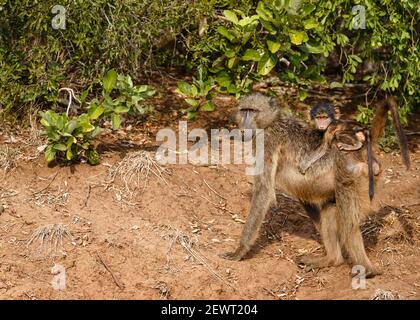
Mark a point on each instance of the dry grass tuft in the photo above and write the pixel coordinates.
(50, 237)
(381, 294)
(9, 158)
(50, 198)
(132, 174)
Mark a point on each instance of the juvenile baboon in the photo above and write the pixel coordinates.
(330, 192)
(344, 135)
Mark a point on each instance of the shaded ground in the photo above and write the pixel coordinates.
(167, 244)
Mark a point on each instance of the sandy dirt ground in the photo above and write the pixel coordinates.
(164, 241)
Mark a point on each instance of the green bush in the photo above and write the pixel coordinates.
(70, 139)
(231, 43)
(292, 39)
(132, 37)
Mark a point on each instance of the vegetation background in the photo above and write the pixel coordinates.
(226, 44)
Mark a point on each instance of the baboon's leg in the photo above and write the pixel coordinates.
(349, 211)
(360, 168)
(327, 227)
(307, 162)
(349, 147)
(263, 196)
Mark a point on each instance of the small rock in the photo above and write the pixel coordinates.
(1, 209)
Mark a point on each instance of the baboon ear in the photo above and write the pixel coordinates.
(337, 112)
(274, 103)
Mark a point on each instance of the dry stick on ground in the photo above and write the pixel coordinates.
(117, 282)
(90, 187)
(185, 242)
(88, 195)
(48, 185)
(218, 206)
(213, 190)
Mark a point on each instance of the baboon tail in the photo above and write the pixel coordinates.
(378, 125)
(370, 165)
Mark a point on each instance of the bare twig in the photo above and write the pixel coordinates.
(48, 185)
(88, 195)
(186, 243)
(117, 282)
(213, 190)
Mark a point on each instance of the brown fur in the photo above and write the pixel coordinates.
(346, 136)
(333, 195)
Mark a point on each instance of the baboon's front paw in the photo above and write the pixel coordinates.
(313, 262)
(372, 272)
(234, 256)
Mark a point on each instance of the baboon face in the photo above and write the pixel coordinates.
(256, 112)
(247, 118)
(322, 121)
(322, 115)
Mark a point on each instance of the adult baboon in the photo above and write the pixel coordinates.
(331, 194)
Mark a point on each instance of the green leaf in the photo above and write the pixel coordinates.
(142, 88)
(70, 126)
(302, 94)
(109, 80)
(50, 153)
(310, 23)
(223, 78)
(191, 114)
(184, 88)
(121, 109)
(84, 95)
(230, 53)
(298, 37)
(253, 20)
(45, 123)
(336, 84)
(269, 26)
(95, 132)
(231, 16)
(307, 9)
(317, 49)
(273, 46)
(251, 55)
(263, 12)
(194, 91)
(59, 147)
(231, 62)
(69, 154)
(354, 57)
(86, 127)
(266, 64)
(116, 121)
(70, 141)
(208, 106)
(192, 102)
(95, 111)
(226, 33)
(93, 157)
